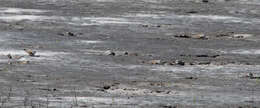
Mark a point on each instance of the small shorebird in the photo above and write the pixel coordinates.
(9, 56)
(15, 59)
(251, 75)
(30, 52)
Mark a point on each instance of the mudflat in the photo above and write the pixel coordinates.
(129, 53)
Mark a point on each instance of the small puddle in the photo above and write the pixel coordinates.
(10, 18)
(23, 56)
(90, 41)
(244, 51)
(107, 101)
(104, 20)
(194, 18)
(21, 52)
(7, 10)
(214, 71)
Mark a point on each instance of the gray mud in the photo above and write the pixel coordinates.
(130, 53)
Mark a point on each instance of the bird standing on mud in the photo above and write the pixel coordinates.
(30, 52)
(9, 56)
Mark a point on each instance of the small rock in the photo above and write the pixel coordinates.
(242, 35)
(115, 84)
(183, 55)
(84, 106)
(168, 106)
(204, 55)
(225, 34)
(233, 35)
(23, 62)
(67, 34)
(205, 1)
(133, 54)
(176, 62)
(110, 53)
(168, 92)
(204, 63)
(130, 54)
(106, 87)
(191, 78)
(182, 36)
(126, 53)
(193, 36)
(251, 76)
(192, 12)
(200, 55)
(191, 63)
(154, 62)
(145, 25)
(29, 76)
(219, 63)
(158, 26)
(214, 56)
(80, 33)
(171, 63)
(179, 62)
(159, 91)
(48, 89)
(61, 34)
(199, 36)
(71, 34)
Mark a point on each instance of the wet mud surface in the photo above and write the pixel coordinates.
(129, 53)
